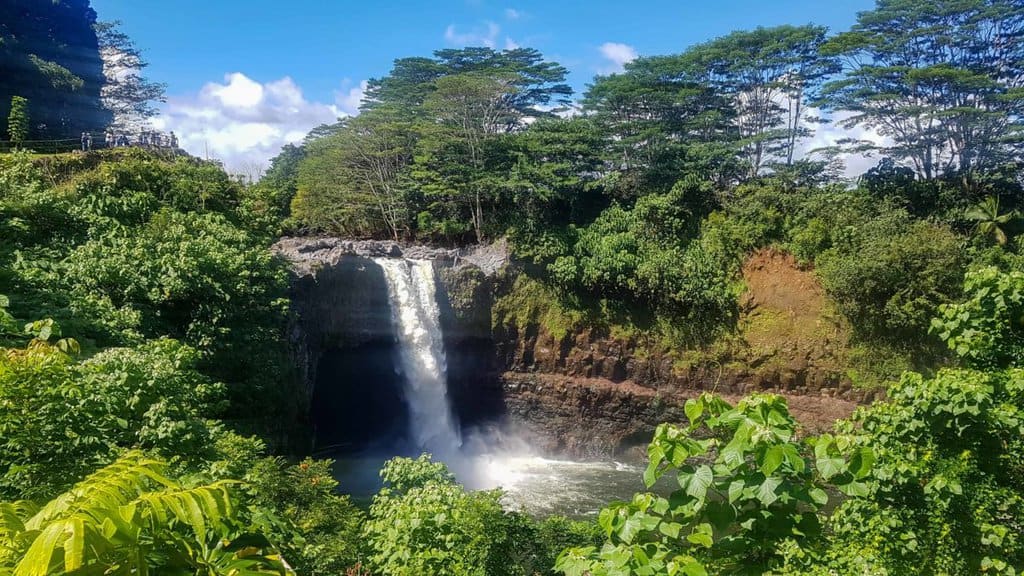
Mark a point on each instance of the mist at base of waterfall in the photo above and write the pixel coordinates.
(494, 458)
(481, 459)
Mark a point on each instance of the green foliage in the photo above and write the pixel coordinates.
(890, 275)
(536, 82)
(348, 181)
(659, 123)
(422, 522)
(138, 248)
(130, 517)
(320, 532)
(768, 73)
(945, 493)
(452, 156)
(429, 156)
(645, 256)
(990, 222)
(987, 329)
(746, 487)
(18, 120)
(60, 418)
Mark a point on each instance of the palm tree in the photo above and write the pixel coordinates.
(989, 222)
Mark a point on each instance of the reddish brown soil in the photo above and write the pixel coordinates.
(786, 318)
(775, 280)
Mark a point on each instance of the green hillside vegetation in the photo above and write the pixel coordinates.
(149, 414)
(637, 209)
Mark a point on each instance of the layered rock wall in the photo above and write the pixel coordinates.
(583, 393)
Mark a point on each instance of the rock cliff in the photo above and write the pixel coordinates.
(577, 391)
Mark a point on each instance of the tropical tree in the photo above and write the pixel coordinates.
(659, 122)
(941, 80)
(349, 182)
(470, 110)
(989, 222)
(768, 73)
(130, 518)
(128, 95)
(538, 85)
(18, 120)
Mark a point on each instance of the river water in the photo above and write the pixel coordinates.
(532, 484)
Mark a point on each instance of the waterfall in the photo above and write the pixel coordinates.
(414, 311)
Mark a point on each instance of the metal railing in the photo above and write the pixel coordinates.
(72, 144)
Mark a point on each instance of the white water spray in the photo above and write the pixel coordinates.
(489, 458)
(414, 310)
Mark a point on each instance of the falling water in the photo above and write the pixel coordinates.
(489, 459)
(414, 310)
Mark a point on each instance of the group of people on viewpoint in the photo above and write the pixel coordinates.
(143, 139)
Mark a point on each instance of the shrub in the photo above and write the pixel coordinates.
(422, 522)
(746, 488)
(986, 330)
(320, 532)
(945, 494)
(646, 258)
(18, 120)
(890, 276)
(60, 418)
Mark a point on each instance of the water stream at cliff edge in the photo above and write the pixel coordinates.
(488, 459)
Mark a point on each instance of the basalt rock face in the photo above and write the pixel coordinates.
(586, 417)
(583, 393)
(345, 342)
(466, 297)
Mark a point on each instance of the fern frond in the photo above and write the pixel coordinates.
(105, 489)
(13, 515)
(203, 508)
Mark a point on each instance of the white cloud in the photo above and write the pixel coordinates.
(350, 97)
(240, 91)
(484, 35)
(617, 55)
(244, 122)
(832, 133)
(513, 14)
(510, 44)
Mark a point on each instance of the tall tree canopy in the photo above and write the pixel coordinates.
(658, 121)
(536, 85)
(432, 150)
(127, 94)
(348, 180)
(50, 55)
(943, 80)
(767, 73)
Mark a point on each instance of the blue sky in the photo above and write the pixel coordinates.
(246, 76)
